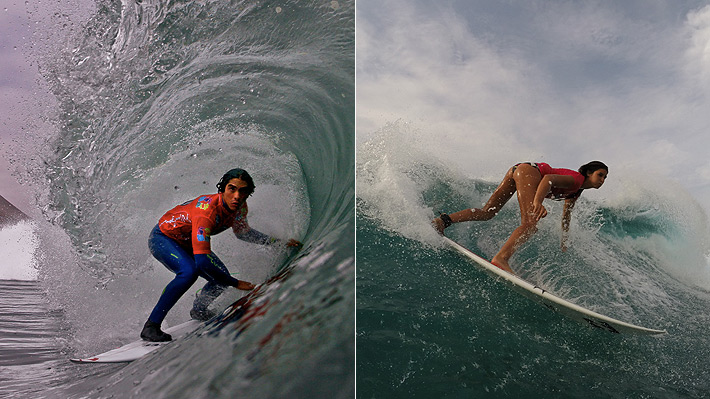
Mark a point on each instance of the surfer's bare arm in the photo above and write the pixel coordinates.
(566, 218)
(546, 185)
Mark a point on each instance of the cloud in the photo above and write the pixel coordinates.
(698, 52)
(564, 82)
(431, 70)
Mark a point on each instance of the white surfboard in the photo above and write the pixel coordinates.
(136, 350)
(555, 303)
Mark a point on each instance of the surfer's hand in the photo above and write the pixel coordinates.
(539, 211)
(438, 225)
(294, 243)
(245, 285)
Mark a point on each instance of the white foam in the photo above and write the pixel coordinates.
(19, 243)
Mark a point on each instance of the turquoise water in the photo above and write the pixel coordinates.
(154, 101)
(431, 324)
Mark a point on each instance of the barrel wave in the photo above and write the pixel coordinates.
(153, 102)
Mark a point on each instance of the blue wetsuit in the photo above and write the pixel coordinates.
(177, 252)
(183, 263)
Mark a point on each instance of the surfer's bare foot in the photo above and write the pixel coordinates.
(438, 225)
(502, 264)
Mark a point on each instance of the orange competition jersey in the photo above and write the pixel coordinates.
(193, 223)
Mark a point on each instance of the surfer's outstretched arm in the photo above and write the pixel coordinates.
(244, 232)
(256, 237)
(211, 268)
(566, 218)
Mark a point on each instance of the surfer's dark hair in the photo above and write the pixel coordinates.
(235, 173)
(591, 167)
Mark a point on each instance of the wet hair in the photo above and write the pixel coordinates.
(235, 174)
(584, 170)
(591, 167)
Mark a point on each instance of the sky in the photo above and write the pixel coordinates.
(565, 82)
(17, 82)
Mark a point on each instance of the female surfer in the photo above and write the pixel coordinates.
(534, 182)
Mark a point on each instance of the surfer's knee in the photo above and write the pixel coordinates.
(188, 275)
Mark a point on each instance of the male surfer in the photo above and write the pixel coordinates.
(181, 242)
(534, 182)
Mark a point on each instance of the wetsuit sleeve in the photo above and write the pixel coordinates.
(244, 232)
(256, 237)
(213, 267)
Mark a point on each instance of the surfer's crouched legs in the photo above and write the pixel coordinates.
(500, 197)
(526, 178)
(182, 262)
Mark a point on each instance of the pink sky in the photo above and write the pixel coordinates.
(17, 79)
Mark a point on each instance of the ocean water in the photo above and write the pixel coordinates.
(431, 324)
(151, 103)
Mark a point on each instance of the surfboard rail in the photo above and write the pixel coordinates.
(551, 301)
(137, 349)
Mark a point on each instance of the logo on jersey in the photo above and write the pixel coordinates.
(204, 202)
(203, 234)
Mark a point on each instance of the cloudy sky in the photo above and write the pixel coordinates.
(626, 82)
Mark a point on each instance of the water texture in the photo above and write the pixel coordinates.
(430, 323)
(154, 102)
